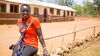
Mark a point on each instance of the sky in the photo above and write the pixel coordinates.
(76, 1)
(81, 1)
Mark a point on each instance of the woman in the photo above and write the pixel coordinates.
(30, 30)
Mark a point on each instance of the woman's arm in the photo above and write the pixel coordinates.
(40, 36)
(41, 39)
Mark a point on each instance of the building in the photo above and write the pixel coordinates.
(10, 10)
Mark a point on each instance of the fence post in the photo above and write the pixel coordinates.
(73, 39)
(94, 31)
(62, 41)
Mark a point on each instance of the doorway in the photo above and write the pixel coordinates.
(45, 15)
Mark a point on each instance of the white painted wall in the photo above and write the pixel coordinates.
(66, 13)
(19, 8)
(69, 13)
(41, 10)
(61, 12)
(73, 13)
(55, 12)
(7, 7)
(48, 9)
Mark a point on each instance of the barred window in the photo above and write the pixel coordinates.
(68, 13)
(71, 13)
(64, 14)
(58, 11)
(36, 12)
(52, 10)
(14, 8)
(2, 7)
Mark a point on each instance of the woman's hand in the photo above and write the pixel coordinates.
(12, 47)
(45, 52)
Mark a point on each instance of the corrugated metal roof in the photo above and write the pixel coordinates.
(43, 4)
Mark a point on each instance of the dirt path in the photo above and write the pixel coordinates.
(9, 33)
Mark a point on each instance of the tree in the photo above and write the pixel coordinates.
(79, 9)
(68, 3)
(97, 2)
(86, 10)
(97, 6)
(89, 8)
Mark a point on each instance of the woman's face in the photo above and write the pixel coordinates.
(25, 12)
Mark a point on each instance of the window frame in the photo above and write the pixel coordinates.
(68, 12)
(71, 13)
(58, 11)
(4, 7)
(14, 8)
(36, 11)
(52, 10)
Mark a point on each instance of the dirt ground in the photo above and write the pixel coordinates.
(9, 33)
(91, 50)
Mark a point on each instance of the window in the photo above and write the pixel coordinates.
(58, 11)
(68, 13)
(71, 13)
(51, 10)
(64, 14)
(14, 8)
(45, 13)
(2, 7)
(36, 12)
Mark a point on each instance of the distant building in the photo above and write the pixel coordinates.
(10, 9)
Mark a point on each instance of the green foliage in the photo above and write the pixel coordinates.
(97, 3)
(89, 8)
(97, 6)
(79, 9)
